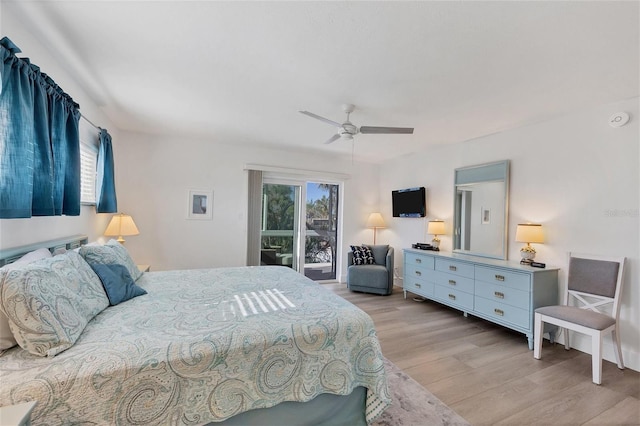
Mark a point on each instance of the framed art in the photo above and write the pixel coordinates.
(200, 204)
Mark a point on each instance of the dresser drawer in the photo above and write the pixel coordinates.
(418, 260)
(453, 267)
(502, 277)
(454, 281)
(420, 287)
(503, 294)
(501, 312)
(454, 297)
(414, 272)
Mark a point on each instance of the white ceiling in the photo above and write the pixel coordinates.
(239, 72)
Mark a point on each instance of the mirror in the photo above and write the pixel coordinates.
(480, 210)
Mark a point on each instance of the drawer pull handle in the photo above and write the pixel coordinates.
(499, 312)
(452, 296)
(498, 294)
(418, 273)
(452, 282)
(499, 277)
(418, 260)
(418, 285)
(452, 268)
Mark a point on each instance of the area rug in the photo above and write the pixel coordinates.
(412, 404)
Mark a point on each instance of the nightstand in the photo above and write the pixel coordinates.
(17, 415)
(144, 268)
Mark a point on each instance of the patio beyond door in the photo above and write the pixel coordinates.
(321, 233)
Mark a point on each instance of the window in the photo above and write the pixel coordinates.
(88, 161)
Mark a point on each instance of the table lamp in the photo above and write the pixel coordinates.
(375, 221)
(121, 224)
(528, 233)
(435, 228)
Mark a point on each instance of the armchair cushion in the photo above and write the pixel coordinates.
(379, 253)
(362, 255)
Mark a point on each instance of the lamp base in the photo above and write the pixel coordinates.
(527, 253)
(436, 243)
(120, 239)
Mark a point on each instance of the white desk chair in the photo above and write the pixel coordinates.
(593, 283)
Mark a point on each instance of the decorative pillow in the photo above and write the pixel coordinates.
(112, 253)
(6, 336)
(362, 255)
(117, 283)
(49, 302)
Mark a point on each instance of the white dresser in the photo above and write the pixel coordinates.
(504, 292)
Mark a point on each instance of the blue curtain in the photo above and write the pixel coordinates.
(105, 183)
(39, 141)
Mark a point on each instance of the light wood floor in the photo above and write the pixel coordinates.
(487, 373)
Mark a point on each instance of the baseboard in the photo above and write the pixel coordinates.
(582, 343)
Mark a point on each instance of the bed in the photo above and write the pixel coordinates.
(240, 345)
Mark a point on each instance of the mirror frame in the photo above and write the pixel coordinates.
(488, 172)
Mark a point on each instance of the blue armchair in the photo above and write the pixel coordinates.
(374, 278)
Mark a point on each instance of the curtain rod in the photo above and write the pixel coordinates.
(89, 121)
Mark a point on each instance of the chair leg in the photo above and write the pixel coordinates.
(537, 336)
(567, 345)
(618, 349)
(596, 357)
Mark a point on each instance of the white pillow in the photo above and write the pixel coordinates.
(6, 336)
(41, 253)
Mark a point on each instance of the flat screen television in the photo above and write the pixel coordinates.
(409, 202)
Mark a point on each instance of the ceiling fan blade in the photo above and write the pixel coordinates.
(317, 117)
(332, 139)
(386, 130)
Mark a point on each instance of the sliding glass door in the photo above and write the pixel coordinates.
(280, 233)
(300, 226)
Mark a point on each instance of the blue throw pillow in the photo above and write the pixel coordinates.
(117, 283)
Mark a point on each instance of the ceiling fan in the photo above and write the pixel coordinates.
(348, 130)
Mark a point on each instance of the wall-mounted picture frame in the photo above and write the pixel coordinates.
(200, 204)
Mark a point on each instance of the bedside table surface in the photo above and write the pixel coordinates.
(17, 415)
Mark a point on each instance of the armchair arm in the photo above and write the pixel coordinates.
(389, 265)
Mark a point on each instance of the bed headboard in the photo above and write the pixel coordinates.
(12, 254)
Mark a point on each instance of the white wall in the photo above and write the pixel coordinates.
(153, 176)
(16, 232)
(575, 175)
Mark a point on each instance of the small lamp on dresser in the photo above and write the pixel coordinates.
(121, 225)
(435, 228)
(529, 233)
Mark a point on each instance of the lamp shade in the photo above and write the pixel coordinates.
(529, 233)
(435, 227)
(121, 224)
(375, 221)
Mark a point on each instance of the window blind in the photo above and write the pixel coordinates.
(88, 161)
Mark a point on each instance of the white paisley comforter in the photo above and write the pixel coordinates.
(202, 346)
